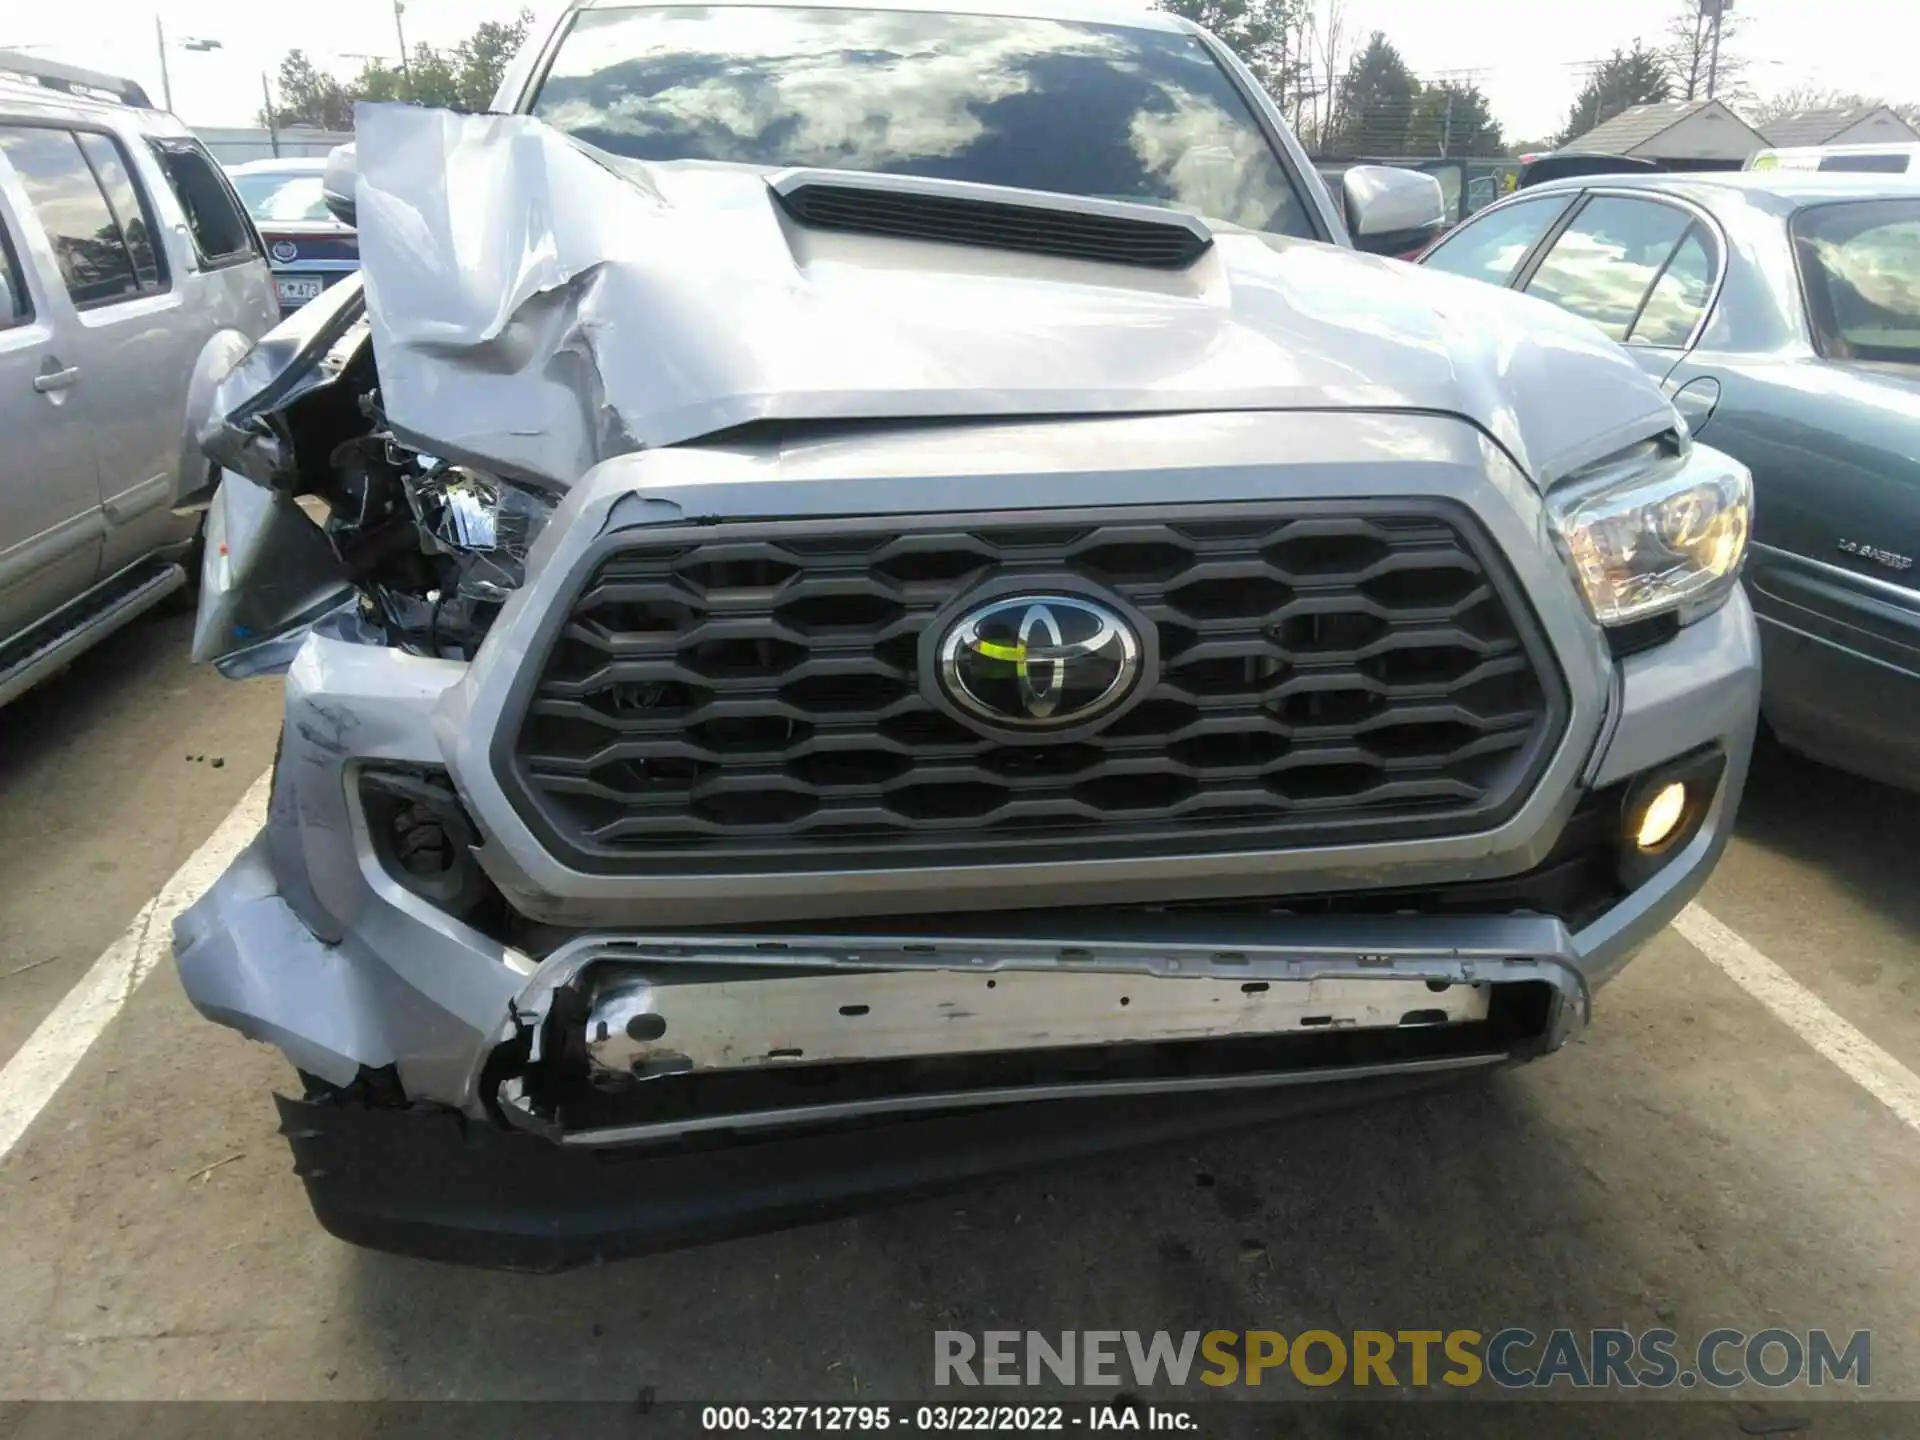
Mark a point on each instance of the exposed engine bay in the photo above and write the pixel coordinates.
(342, 514)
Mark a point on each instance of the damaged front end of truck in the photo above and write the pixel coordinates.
(780, 715)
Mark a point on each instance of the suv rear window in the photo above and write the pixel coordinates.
(1860, 266)
(129, 205)
(221, 234)
(103, 255)
(1077, 109)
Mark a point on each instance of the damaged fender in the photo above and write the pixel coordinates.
(194, 485)
(247, 962)
(268, 573)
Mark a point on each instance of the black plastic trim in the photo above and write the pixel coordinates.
(437, 1185)
(993, 224)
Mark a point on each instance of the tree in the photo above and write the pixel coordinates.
(1624, 79)
(1323, 44)
(1698, 72)
(1376, 102)
(429, 79)
(1453, 119)
(1269, 36)
(464, 78)
(1794, 99)
(310, 96)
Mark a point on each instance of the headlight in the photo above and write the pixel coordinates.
(474, 532)
(487, 523)
(1661, 528)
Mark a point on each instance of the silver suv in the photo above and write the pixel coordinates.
(896, 599)
(130, 280)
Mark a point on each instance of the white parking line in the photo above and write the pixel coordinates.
(1810, 1017)
(41, 1066)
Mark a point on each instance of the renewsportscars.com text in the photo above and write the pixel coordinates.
(1512, 1358)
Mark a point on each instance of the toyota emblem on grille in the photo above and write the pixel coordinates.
(285, 250)
(1039, 662)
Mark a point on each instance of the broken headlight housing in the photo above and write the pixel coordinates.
(1662, 527)
(474, 532)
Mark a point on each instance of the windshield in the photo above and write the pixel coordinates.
(282, 197)
(1860, 263)
(1126, 114)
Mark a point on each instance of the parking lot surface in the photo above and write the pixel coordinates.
(1693, 1161)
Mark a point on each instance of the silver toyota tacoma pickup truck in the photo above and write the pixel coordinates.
(871, 595)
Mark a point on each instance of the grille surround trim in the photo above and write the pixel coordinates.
(931, 852)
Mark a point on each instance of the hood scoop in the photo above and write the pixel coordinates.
(994, 217)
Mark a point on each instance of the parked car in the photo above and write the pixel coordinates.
(130, 281)
(1882, 159)
(866, 632)
(1781, 310)
(1539, 169)
(309, 249)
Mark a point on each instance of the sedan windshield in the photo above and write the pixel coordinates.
(1099, 110)
(283, 197)
(1860, 262)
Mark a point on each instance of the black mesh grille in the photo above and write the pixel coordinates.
(751, 693)
(996, 225)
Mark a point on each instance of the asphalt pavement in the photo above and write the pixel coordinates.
(1704, 1156)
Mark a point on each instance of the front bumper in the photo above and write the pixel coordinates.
(310, 944)
(439, 1186)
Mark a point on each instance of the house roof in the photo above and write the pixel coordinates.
(1813, 127)
(1682, 127)
(1816, 127)
(1634, 126)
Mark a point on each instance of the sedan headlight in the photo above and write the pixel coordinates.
(1663, 527)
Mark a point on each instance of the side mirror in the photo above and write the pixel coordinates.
(1392, 211)
(338, 183)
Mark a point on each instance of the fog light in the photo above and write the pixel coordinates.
(1663, 810)
(1661, 816)
(424, 839)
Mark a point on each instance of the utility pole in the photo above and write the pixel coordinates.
(166, 81)
(1713, 10)
(400, 29)
(273, 126)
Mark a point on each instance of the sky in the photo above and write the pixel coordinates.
(1525, 56)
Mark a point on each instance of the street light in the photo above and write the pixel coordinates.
(400, 29)
(189, 43)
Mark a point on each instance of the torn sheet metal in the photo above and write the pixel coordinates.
(539, 306)
(267, 573)
(244, 424)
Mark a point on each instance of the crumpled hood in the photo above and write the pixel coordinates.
(538, 308)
